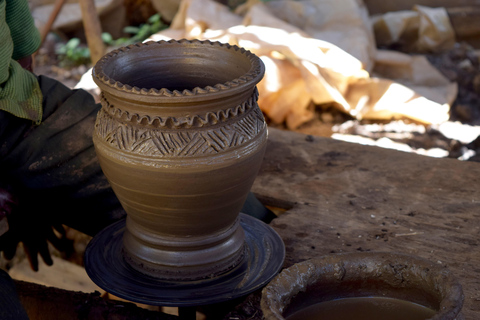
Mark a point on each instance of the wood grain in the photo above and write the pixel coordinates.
(345, 197)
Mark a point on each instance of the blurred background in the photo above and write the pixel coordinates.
(400, 75)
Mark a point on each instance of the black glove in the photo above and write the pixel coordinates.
(31, 227)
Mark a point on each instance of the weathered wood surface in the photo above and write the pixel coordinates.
(345, 197)
(46, 303)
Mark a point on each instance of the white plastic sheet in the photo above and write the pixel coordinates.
(320, 52)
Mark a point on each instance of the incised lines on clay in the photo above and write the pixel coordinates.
(181, 141)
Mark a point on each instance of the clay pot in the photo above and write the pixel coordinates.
(180, 138)
(365, 274)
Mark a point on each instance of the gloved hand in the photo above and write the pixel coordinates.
(31, 228)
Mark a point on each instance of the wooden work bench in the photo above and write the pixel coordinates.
(343, 197)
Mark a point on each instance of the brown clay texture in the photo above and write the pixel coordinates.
(363, 274)
(180, 138)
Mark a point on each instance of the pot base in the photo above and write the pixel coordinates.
(106, 266)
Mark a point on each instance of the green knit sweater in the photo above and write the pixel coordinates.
(19, 89)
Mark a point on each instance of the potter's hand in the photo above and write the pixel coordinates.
(33, 230)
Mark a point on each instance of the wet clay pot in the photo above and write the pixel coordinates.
(363, 274)
(180, 138)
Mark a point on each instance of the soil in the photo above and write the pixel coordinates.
(461, 64)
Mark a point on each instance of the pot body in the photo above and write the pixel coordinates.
(180, 138)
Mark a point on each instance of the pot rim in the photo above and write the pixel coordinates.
(219, 90)
(276, 296)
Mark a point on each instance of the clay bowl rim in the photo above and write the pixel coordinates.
(217, 91)
(277, 296)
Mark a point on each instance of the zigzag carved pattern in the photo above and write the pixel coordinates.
(181, 142)
(210, 118)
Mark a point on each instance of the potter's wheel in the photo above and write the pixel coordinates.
(106, 266)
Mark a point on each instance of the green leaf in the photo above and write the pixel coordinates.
(107, 37)
(84, 53)
(143, 32)
(121, 41)
(154, 18)
(61, 50)
(73, 43)
(131, 30)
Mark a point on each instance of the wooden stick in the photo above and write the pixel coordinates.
(93, 30)
(53, 16)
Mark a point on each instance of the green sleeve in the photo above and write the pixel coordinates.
(20, 92)
(25, 36)
(6, 49)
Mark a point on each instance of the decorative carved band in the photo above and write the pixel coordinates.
(180, 142)
(198, 121)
